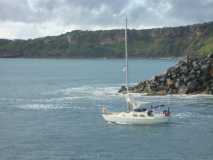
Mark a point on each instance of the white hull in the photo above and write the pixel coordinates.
(135, 118)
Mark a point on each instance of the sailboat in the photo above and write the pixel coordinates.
(134, 114)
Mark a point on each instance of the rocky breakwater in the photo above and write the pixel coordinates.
(188, 76)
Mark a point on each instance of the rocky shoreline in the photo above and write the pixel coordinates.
(192, 75)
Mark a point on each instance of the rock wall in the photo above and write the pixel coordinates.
(188, 76)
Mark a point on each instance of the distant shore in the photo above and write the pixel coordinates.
(194, 39)
(107, 58)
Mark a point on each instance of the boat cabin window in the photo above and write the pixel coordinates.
(140, 110)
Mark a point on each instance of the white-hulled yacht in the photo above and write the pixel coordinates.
(135, 115)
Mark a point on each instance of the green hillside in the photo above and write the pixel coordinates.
(161, 42)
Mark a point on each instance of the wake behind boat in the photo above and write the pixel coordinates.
(135, 115)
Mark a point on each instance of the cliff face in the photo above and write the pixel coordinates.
(162, 42)
(189, 76)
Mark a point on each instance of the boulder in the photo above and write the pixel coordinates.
(193, 76)
(184, 69)
(210, 55)
(177, 83)
(186, 79)
(171, 69)
(182, 90)
(198, 72)
(181, 63)
(195, 65)
(147, 87)
(122, 89)
(162, 79)
(210, 72)
(162, 92)
(204, 67)
(192, 85)
(169, 83)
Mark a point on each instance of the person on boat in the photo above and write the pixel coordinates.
(166, 112)
(150, 113)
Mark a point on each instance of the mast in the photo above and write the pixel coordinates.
(126, 61)
(126, 73)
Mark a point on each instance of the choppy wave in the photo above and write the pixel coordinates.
(187, 115)
(187, 96)
(192, 96)
(183, 115)
(48, 107)
(90, 92)
(98, 92)
(176, 99)
(40, 100)
(38, 107)
(74, 95)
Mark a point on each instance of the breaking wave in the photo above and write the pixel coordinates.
(86, 94)
(38, 107)
(90, 92)
(40, 100)
(100, 92)
(48, 107)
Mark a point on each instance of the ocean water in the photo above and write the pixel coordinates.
(50, 109)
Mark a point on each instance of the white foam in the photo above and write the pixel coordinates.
(38, 107)
(103, 91)
(71, 98)
(48, 107)
(60, 99)
(187, 96)
(89, 92)
(183, 115)
(176, 99)
(106, 91)
(12, 99)
(40, 100)
(173, 95)
(72, 95)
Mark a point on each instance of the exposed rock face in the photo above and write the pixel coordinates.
(189, 76)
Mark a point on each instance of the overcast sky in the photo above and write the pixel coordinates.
(25, 19)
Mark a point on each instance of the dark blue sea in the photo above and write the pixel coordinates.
(50, 110)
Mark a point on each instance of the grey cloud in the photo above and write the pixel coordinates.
(84, 12)
(21, 11)
(13, 11)
(103, 12)
(191, 11)
(87, 14)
